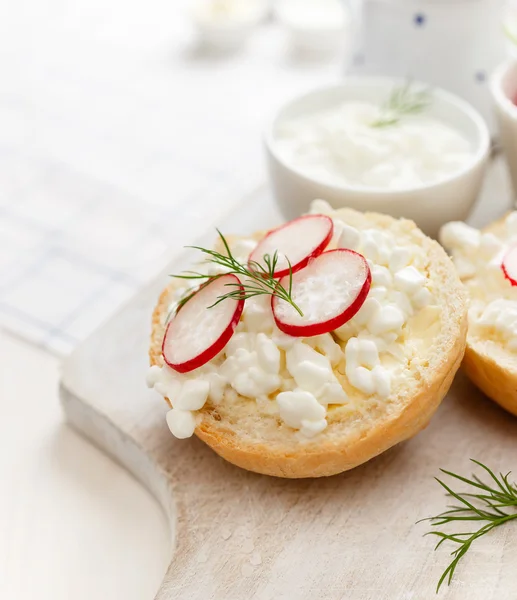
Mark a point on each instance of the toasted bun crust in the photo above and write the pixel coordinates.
(488, 364)
(260, 443)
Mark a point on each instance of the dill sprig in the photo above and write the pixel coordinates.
(256, 279)
(510, 33)
(493, 504)
(402, 101)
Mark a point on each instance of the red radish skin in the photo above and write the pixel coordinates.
(300, 241)
(349, 271)
(197, 333)
(509, 265)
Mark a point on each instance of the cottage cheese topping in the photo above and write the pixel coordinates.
(305, 406)
(252, 365)
(301, 410)
(399, 289)
(188, 394)
(301, 379)
(339, 146)
(182, 423)
(478, 258)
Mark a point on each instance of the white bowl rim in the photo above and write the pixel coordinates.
(255, 16)
(496, 87)
(480, 152)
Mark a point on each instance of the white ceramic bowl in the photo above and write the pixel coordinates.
(504, 87)
(316, 27)
(229, 30)
(430, 206)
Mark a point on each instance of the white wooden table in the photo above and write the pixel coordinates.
(66, 511)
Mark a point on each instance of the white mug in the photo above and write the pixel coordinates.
(453, 44)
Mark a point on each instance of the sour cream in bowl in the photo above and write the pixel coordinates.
(346, 145)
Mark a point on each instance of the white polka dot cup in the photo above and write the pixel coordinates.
(453, 45)
(503, 85)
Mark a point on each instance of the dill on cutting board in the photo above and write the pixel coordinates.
(487, 505)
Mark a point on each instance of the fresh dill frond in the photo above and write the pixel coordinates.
(404, 100)
(510, 33)
(488, 505)
(256, 279)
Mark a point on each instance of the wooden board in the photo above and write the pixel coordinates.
(242, 536)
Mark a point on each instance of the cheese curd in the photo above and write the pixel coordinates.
(478, 258)
(301, 380)
(252, 364)
(339, 146)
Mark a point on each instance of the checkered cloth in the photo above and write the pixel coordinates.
(72, 250)
(121, 140)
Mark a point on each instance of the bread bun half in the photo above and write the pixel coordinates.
(422, 363)
(491, 355)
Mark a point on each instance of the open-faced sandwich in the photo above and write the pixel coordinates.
(487, 264)
(310, 349)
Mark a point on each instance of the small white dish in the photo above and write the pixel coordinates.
(317, 27)
(227, 24)
(503, 85)
(429, 205)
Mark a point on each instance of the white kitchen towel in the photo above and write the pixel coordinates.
(72, 250)
(121, 140)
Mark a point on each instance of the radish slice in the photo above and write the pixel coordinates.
(329, 292)
(299, 241)
(509, 265)
(197, 333)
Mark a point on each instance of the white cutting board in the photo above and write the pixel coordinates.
(241, 536)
